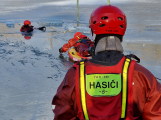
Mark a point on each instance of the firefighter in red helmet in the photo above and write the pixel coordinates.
(81, 43)
(110, 86)
(27, 27)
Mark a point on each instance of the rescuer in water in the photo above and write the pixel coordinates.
(80, 42)
(110, 86)
(27, 27)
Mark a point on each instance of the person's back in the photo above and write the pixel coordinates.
(110, 86)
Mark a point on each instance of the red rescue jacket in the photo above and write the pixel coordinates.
(104, 108)
(26, 28)
(145, 95)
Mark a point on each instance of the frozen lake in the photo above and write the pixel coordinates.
(31, 69)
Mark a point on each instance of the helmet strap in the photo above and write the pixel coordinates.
(93, 35)
(109, 43)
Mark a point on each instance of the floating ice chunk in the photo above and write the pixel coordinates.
(10, 23)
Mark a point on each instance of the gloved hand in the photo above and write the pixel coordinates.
(42, 28)
(60, 50)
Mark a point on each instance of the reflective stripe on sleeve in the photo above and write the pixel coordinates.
(78, 37)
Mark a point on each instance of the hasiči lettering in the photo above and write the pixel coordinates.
(104, 84)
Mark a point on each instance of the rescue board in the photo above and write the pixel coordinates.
(75, 56)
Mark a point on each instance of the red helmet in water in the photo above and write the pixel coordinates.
(76, 34)
(27, 37)
(27, 22)
(108, 19)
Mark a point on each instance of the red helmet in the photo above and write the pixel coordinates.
(76, 34)
(26, 22)
(108, 19)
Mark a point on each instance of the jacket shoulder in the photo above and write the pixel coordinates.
(143, 74)
(76, 64)
(142, 69)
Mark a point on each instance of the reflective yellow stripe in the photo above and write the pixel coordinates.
(83, 91)
(124, 89)
(78, 37)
